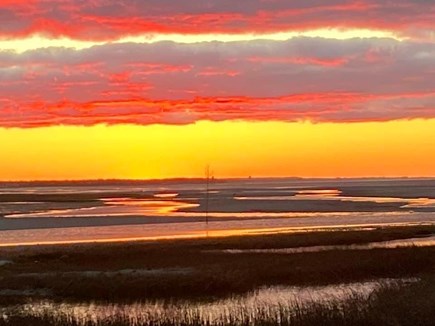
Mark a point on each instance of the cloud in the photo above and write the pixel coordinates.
(300, 79)
(113, 19)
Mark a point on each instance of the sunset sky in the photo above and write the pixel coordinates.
(93, 89)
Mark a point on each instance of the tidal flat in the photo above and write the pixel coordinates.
(78, 212)
(271, 252)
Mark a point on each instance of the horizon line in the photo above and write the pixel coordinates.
(187, 179)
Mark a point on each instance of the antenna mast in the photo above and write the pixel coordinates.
(208, 176)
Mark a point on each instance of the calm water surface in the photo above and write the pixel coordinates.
(64, 214)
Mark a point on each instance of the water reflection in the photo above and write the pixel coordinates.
(190, 230)
(188, 204)
(170, 209)
(117, 207)
(335, 194)
(133, 212)
(166, 195)
(392, 244)
(319, 192)
(164, 207)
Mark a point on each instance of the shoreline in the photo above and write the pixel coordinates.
(212, 234)
(37, 231)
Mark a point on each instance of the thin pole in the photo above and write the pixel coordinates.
(207, 190)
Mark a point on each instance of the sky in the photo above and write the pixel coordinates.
(102, 89)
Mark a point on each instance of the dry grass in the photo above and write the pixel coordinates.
(215, 274)
(398, 304)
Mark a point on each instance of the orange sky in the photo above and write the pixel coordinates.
(162, 88)
(233, 148)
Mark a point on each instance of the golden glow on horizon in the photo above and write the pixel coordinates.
(21, 45)
(233, 148)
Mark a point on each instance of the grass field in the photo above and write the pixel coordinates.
(397, 304)
(201, 269)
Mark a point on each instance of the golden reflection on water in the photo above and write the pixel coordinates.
(164, 204)
(166, 195)
(131, 236)
(335, 194)
(154, 206)
(163, 218)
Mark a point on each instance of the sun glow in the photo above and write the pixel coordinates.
(235, 148)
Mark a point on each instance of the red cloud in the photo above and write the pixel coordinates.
(110, 19)
(337, 107)
(300, 79)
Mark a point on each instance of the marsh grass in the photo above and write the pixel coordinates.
(220, 275)
(398, 304)
(214, 273)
